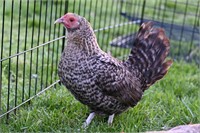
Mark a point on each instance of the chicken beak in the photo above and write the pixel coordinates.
(60, 20)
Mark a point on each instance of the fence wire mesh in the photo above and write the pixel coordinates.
(31, 44)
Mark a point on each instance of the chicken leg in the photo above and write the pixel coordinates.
(88, 120)
(110, 119)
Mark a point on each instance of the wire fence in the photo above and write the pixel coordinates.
(180, 19)
(31, 44)
(30, 49)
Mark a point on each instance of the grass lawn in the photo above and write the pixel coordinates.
(170, 102)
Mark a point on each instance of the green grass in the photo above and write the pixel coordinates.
(170, 102)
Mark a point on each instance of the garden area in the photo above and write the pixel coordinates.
(31, 98)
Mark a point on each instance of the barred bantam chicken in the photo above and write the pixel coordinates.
(105, 84)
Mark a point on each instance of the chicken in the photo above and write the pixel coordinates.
(105, 84)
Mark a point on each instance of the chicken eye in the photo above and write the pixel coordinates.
(71, 19)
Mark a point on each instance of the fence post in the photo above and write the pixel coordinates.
(2, 38)
(64, 31)
(0, 87)
(143, 8)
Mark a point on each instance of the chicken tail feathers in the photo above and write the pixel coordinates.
(148, 54)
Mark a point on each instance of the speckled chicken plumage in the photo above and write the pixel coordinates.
(103, 83)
